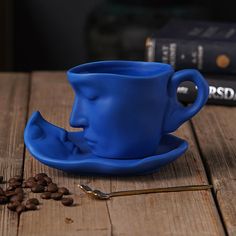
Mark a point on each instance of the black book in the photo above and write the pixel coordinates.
(222, 90)
(207, 46)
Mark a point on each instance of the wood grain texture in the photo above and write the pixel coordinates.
(187, 213)
(216, 133)
(13, 112)
(52, 96)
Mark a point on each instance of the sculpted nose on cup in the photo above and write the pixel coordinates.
(80, 122)
(77, 118)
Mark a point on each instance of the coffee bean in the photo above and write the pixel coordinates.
(2, 193)
(18, 197)
(52, 188)
(56, 196)
(31, 206)
(37, 188)
(10, 193)
(20, 208)
(40, 176)
(42, 182)
(31, 179)
(18, 178)
(13, 205)
(19, 190)
(46, 195)
(10, 188)
(48, 180)
(1, 179)
(68, 220)
(30, 184)
(34, 201)
(15, 184)
(12, 180)
(63, 190)
(3, 200)
(67, 201)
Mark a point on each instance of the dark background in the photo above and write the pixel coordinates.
(57, 34)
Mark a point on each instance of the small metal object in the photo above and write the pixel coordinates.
(104, 196)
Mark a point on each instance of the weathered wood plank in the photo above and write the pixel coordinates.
(137, 215)
(186, 213)
(216, 132)
(13, 113)
(52, 96)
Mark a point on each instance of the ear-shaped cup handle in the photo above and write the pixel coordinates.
(176, 113)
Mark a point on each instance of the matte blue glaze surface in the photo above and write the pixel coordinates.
(125, 107)
(68, 151)
(126, 110)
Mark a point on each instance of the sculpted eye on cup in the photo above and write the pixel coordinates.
(89, 93)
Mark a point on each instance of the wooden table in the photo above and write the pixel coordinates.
(211, 158)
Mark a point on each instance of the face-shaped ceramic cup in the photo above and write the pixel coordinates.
(125, 107)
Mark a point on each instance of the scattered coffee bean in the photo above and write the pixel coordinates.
(10, 193)
(46, 195)
(37, 188)
(20, 208)
(19, 190)
(42, 182)
(31, 179)
(31, 206)
(67, 201)
(48, 180)
(18, 197)
(15, 184)
(40, 176)
(3, 200)
(10, 188)
(29, 184)
(34, 201)
(2, 193)
(12, 180)
(63, 190)
(56, 196)
(18, 178)
(52, 188)
(13, 205)
(68, 220)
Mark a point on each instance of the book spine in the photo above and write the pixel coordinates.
(205, 55)
(221, 92)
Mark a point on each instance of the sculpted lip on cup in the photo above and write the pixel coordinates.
(126, 110)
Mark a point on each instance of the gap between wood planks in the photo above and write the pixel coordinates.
(24, 151)
(209, 178)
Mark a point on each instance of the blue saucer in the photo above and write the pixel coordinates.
(68, 151)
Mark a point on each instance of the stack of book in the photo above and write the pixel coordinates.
(207, 46)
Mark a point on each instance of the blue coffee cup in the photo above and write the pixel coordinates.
(125, 107)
